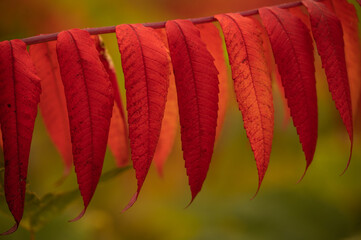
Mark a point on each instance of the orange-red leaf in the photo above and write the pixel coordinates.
(170, 121)
(118, 131)
(327, 32)
(252, 83)
(293, 51)
(89, 97)
(145, 63)
(210, 36)
(347, 14)
(19, 96)
(52, 100)
(197, 91)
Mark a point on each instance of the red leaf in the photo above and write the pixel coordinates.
(252, 83)
(170, 121)
(197, 91)
(359, 2)
(118, 132)
(327, 32)
(19, 96)
(52, 100)
(1, 139)
(145, 64)
(293, 51)
(347, 14)
(210, 36)
(89, 97)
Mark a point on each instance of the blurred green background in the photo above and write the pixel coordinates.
(324, 205)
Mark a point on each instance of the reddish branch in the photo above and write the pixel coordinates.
(111, 29)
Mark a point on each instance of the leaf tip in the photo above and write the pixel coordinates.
(131, 202)
(349, 160)
(11, 230)
(259, 186)
(190, 203)
(304, 173)
(159, 168)
(79, 216)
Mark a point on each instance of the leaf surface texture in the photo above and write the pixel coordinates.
(252, 83)
(197, 91)
(293, 51)
(145, 63)
(19, 97)
(89, 97)
(327, 32)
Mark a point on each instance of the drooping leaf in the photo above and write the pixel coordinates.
(347, 14)
(19, 96)
(52, 100)
(89, 97)
(197, 91)
(293, 51)
(252, 83)
(1, 139)
(170, 121)
(210, 36)
(118, 132)
(145, 63)
(327, 32)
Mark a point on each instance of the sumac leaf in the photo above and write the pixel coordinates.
(19, 97)
(1, 139)
(210, 36)
(118, 131)
(347, 14)
(52, 99)
(145, 63)
(252, 83)
(327, 32)
(89, 97)
(197, 91)
(293, 51)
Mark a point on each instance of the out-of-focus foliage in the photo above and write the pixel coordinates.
(323, 205)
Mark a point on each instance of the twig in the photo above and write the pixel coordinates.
(111, 29)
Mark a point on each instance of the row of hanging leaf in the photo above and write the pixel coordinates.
(82, 108)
